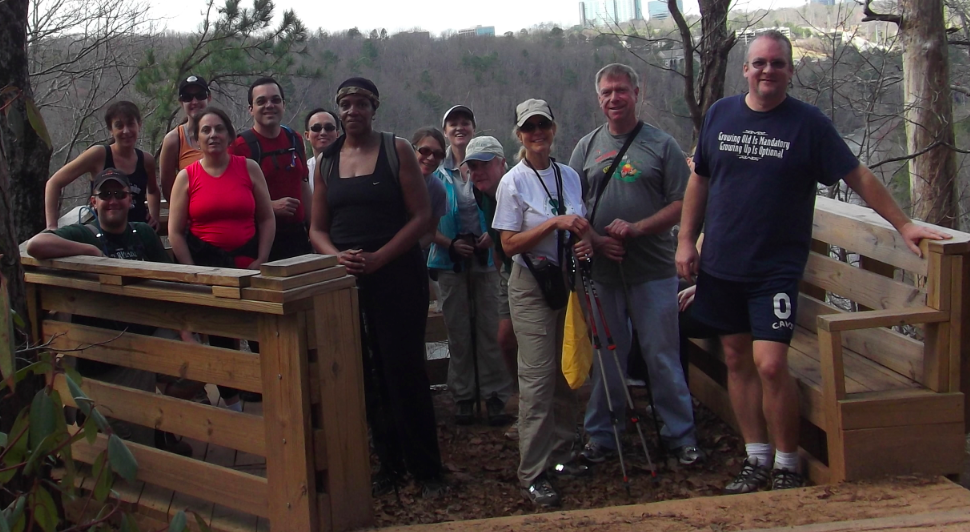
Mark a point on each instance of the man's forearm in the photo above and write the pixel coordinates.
(695, 202)
(51, 246)
(662, 220)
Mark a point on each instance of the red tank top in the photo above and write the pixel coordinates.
(222, 210)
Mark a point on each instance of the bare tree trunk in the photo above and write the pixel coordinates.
(713, 47)
(27, 153)
(929, 111)
(929, 108)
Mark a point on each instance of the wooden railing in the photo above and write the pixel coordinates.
(303, 312)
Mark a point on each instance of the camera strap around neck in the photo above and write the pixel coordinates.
(556, 203)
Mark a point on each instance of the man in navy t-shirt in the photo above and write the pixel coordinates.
(759, 159)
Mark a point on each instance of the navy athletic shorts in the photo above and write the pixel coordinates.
(766, 309)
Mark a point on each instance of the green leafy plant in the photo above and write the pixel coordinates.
(40, 442)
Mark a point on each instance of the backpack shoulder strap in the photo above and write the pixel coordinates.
(296, 141)
(255, 152)
(390, 146)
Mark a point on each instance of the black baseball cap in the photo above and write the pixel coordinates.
(110, 174)
(193, 81)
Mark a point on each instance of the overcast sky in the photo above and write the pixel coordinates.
(435, 16)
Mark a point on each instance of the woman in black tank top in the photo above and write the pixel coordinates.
(124, 122)
(370, 215)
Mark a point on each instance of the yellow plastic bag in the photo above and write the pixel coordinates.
(577, 350)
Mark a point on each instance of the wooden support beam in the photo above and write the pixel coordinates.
(343, 416)
(297, 265)
(228, 487)
(186, 418)
(286, 413)
(198, 362)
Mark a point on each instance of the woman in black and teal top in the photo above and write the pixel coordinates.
(124, 122)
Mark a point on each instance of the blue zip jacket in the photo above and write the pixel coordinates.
(450, 223)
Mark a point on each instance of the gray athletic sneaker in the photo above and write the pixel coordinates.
(751, 478)
(597, 454)
(783, 479)
(542, 493)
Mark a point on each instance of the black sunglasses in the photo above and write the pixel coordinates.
(116, 194)
(329, 128)
(189, 96)
(528, 127)
(426, 151)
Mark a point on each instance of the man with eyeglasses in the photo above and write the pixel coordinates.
(322, 128)
(631, 213)
(111, 235)
(180, 148)
(281, 155)
(760, 158)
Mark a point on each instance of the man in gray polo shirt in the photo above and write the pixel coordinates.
(633, 268)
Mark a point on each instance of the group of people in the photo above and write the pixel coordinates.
(501, 242)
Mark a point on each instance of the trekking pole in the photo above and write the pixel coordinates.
(634, 417)
(472, 319)
(598, 346)
(653, 408)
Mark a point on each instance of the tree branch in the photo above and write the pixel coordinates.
(872, 16)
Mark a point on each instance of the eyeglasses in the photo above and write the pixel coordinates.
(329, 128)
(426, 151)
(777, 64)
(189, 96)
(116, 194)
(545, 124)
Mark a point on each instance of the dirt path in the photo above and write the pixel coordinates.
(908, 503)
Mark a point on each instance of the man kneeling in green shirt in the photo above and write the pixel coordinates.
(112, 236)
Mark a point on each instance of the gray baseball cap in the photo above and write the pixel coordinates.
(483, 148)
(458, 109)
(530, 108)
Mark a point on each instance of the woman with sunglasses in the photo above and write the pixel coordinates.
(221, 214)
(124, 122)
(461, 258)
(370, 213)
(180, 147)
(540, 211)
(322, 128)
(429, 146)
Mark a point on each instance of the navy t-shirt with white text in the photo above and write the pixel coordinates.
(764, 168)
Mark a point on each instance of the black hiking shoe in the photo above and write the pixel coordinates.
(541, 493)
(166, 441)
(495, 409)
(783, 479)
(433, 488)
(382, 483)
(464, 412)
(751, 478)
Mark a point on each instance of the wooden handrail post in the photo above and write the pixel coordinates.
(347, 500)
(286, 414)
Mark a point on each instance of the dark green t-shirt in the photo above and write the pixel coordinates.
(137, 242)
(487, 205)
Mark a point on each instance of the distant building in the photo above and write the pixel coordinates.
(477, 31)
(749, 35)
(658, 9)
(824, 2)
(593, 13)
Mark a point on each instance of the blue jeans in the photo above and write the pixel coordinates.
(655, 315)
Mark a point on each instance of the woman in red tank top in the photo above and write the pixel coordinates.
(220, 207)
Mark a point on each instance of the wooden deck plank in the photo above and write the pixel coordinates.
(861, 286)
(201, 275)
(297, 265)
(193, 477)
(222, 322)
(866, 374)
(224, 518)
(227, 367)
(156, 291)
(202, 422)
(181, 501)
(296, 281)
